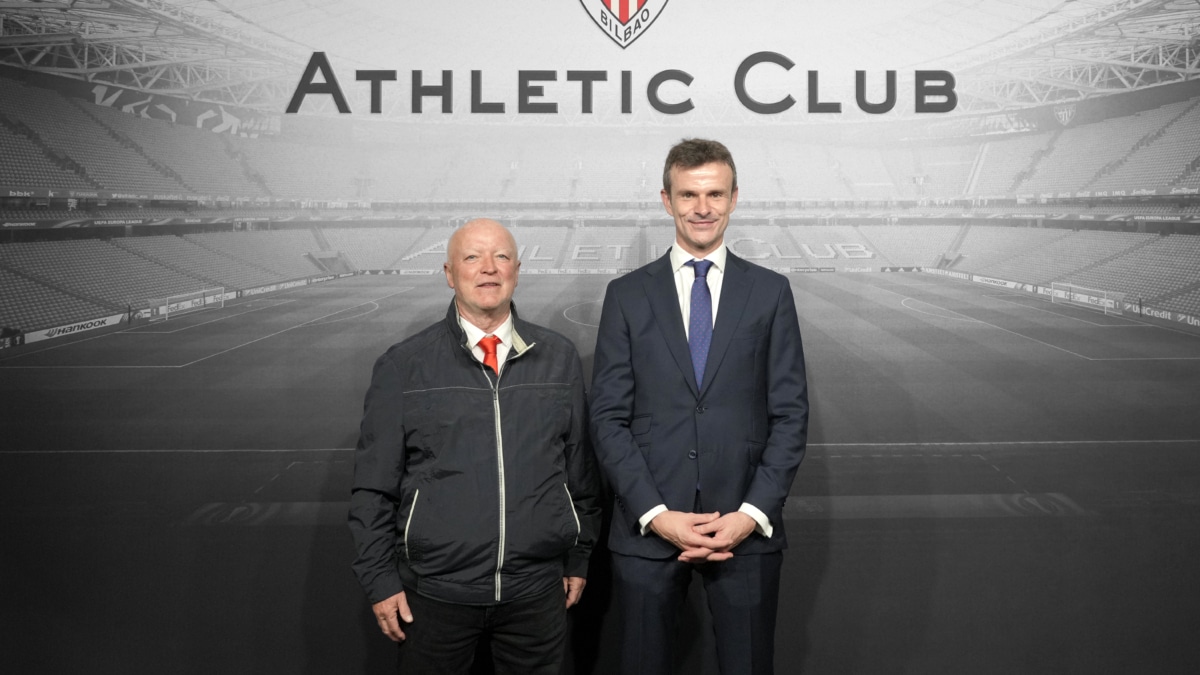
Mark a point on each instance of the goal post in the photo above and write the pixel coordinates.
(162, 309)
(1109, 302)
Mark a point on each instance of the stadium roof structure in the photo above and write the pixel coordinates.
(1005, 54)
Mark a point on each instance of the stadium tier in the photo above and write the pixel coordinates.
(54, 282)
(51, 141)
(166, 209)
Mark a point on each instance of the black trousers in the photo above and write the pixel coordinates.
(743, 597)
(528, 636)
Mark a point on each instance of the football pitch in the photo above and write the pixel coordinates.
(994, 483)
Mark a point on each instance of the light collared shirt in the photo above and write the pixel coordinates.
(475, 334)
(685, 275)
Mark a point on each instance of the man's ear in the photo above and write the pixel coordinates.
(666, 200)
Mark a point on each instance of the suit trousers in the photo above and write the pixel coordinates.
(743, 598)
(528, 636)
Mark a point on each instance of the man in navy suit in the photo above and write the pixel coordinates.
(700, 419)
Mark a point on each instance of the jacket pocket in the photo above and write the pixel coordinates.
(574, 515)
(545, 528)
(640, 425)
(754, 452)
(408, 525)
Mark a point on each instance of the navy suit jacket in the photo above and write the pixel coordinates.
(740, 437)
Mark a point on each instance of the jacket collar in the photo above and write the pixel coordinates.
(735, 293)
(519, 346)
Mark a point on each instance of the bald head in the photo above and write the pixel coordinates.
(476, 228)
(481, 266)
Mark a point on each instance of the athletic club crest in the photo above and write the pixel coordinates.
(624, 21)
(1065, 113)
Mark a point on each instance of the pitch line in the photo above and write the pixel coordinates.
(135, 331)
(291, 328)
(987, 323)
(580, 323)
(1128, 323)
(185, 365)
(961, 317)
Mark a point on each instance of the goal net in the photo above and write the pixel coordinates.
(162, 309)
(1109, 302)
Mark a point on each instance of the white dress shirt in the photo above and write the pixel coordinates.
(475, 334)
(685, 275)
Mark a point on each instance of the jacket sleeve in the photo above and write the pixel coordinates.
(379, 462)
(787, 412)
(612, 413)
(583, 477)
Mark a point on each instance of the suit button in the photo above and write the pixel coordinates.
(700, 410)
(691, 454)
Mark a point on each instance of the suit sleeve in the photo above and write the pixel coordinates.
(379, 462)
(787, 412)
(583, 477)
(612, 411)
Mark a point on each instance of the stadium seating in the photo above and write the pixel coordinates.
(28, 305)
(910, 244)
(1162, 267)
(372, 248)
(283, 252)
(987, 245)
(204, 164)
(541, 246)
(1058, 258)
(935, 197)
(23, 162)
(69, 128)
(97, 271)
(204, 264)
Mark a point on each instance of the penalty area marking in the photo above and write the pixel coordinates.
(291, 328)
(960, 317)
(1006, 298)
(136, 331)
(567, 316)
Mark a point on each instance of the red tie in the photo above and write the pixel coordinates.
(488, 345)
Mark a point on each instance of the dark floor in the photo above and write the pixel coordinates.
(989, 490)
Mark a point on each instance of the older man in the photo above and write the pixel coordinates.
(474, 507)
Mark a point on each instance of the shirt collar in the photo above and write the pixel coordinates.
(475, 334)
(679, 257)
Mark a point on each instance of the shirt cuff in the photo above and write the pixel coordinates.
(644, 521)
(763, 525)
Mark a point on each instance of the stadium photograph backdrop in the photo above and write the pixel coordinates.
(215, 215)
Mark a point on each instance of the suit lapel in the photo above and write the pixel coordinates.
(664, 301)
(735, 293)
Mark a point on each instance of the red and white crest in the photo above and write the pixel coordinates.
(623, 21)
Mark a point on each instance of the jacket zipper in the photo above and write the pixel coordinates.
(500, 473)
(500, 459)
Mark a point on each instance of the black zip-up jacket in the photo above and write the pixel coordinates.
(471, 488)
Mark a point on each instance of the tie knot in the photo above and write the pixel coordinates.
(701, 267)
(488, 344)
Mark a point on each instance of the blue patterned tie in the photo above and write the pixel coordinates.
(700, 322)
